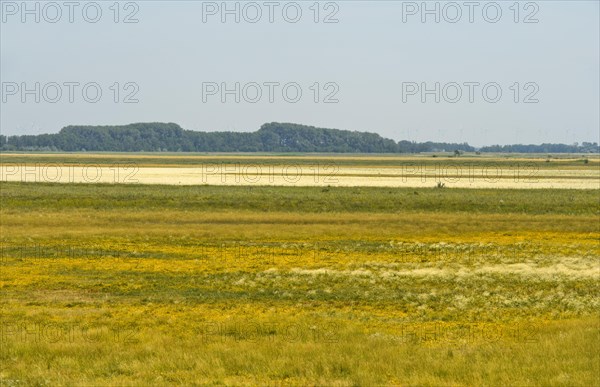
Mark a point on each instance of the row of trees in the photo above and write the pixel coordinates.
(585, 147)
(272, 137)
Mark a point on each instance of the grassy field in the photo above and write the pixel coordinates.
(108, 284)
(369, 160)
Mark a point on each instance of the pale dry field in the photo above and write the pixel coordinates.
(343, 171)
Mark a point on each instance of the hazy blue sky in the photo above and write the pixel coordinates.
(371, 60)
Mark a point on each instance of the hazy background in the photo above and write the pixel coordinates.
(368, 53)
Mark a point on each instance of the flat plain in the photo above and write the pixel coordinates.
(139, 284)
(467, 171)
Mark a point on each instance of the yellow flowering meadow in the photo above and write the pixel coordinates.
(153, 285)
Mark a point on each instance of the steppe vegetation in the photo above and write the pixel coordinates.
(151, 284)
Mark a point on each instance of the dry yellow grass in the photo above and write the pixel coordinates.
(143, 285)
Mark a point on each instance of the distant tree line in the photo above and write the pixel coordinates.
(585, 147)
(272, 137)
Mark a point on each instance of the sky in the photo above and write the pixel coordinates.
(479, 72)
